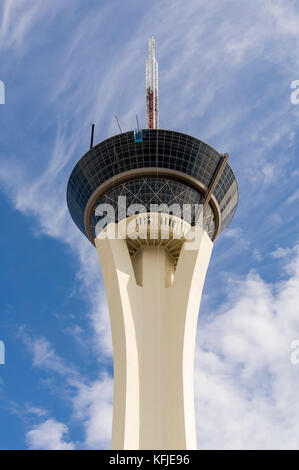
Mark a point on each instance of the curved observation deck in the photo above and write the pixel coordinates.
(163, 167)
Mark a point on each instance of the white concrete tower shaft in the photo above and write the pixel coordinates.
(153, 301)
(151, 87)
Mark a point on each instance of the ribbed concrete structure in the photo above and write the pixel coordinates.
(153, 205)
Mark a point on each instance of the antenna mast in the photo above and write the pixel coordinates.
(151, 87)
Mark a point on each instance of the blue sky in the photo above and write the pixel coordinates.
(225, 70)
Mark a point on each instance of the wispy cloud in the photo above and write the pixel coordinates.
(281, 252)
(91, 401)
(44, 357)
(18, 19)
(294, 197)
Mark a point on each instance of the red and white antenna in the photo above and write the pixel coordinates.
(151, 87)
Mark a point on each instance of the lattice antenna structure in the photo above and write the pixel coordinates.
(151, 87)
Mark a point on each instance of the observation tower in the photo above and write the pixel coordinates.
(153, 202)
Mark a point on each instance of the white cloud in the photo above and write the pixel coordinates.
(235, 232)
(49, 435)
(91, 401)
(93, 406)
(269, 173)
(246, 391)
(257, 256)
(44, 357)
(35, 410)
(281, 252)
(294, 197)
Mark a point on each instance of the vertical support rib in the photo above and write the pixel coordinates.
(121, 296)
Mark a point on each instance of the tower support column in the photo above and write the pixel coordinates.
(153, 307)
